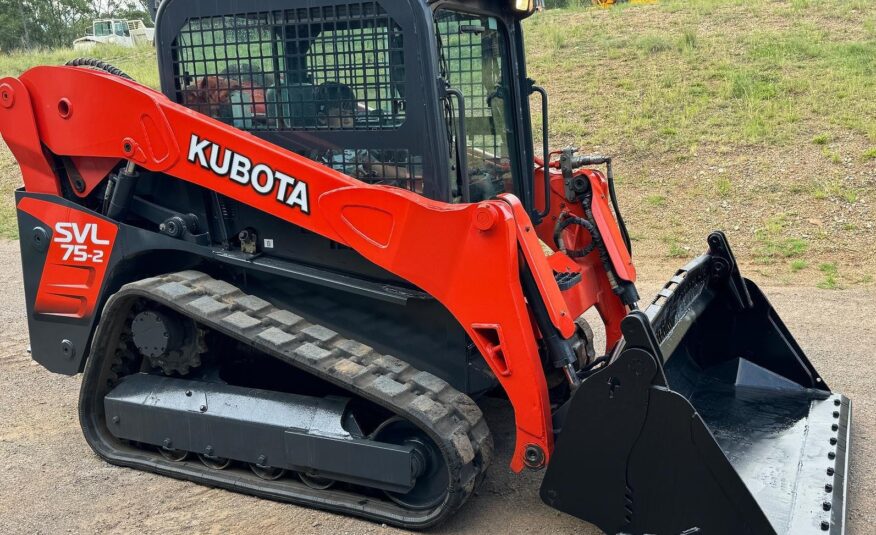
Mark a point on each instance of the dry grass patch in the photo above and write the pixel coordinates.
(731, 113)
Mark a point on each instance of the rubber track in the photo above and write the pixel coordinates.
(449, 417)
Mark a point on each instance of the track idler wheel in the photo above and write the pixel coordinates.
(433, 476)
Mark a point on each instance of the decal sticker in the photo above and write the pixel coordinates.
(261, 177)
(80, 243)
(76, 259)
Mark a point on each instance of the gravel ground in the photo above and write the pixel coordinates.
(51, 482)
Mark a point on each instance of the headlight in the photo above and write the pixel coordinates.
(524, 6)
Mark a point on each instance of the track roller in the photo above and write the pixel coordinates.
(316, 482)
(268, 473)
(173, 455)
(216, 463)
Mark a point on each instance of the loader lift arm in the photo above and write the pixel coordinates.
(52, 107)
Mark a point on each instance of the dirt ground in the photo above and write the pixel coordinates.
(51, 482)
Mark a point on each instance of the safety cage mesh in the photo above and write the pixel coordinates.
(315, 69)
(295, 69)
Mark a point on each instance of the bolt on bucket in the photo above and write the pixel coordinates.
(709, 419)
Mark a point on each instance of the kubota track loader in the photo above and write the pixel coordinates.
(294, 271)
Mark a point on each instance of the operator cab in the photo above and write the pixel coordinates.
(108, 27)
(445, 116)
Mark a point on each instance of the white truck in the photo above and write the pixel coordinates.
(127, 33)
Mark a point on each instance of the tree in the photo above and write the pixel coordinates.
(61, 20)
(56, 23)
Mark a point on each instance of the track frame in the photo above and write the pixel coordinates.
(451, 419)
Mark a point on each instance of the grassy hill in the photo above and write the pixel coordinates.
(757, 117)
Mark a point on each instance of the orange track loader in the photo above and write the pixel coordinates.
(295, 270)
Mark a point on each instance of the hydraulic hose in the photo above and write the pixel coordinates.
(99, 65)
(566, 221)
(620, 219)
(581, 161)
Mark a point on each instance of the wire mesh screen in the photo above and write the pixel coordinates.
(225, 66)
(472, 54)
(330, 68)
(338, 67)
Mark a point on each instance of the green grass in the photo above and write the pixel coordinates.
(688, 40)
(653, 44)
(677, 251)
(8, 220)
(675, 248)
(773, 243)
(835, 189)
(139, 63)
(798, 265)
(656, 200)
(830, 273)
(832, 156)
(711, 71)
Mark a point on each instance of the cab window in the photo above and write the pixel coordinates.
(473, 59)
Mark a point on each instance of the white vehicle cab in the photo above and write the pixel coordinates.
(127, 33)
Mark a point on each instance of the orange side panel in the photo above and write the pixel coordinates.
(78, 254)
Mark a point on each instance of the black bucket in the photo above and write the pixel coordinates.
(709, 419)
